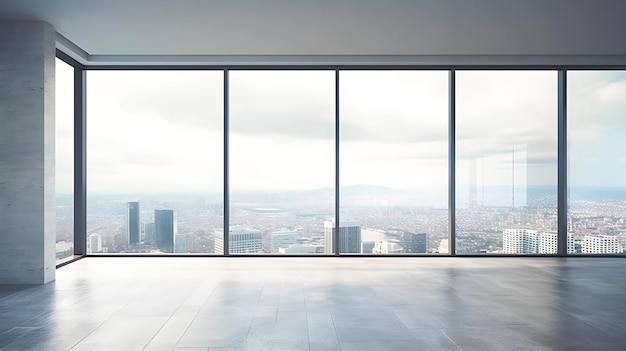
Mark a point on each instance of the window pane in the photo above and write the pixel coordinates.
(394, 168)
(506, 169)
(155, 161)
(597, 161)
(281, 158)
(64, 158)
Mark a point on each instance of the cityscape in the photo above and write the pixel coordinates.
(303, 223)
(394, 137)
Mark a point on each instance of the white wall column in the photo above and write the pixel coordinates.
(27, 195)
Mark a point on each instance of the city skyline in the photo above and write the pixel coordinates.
(480, 229)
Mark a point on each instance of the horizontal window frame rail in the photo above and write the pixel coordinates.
(327, 59)
(349, 67)
(316, 256)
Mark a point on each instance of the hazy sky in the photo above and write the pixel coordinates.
(506, 131)
(151, 131)
(155, 131)
(597, 128)
(282, 126)
(394, 127)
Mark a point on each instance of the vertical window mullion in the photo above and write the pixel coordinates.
(336, 250)
(562, 164)
(80, 162)
(451, 163)
(226, 251)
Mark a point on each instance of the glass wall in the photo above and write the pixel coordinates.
(154, 161)
(64, 158)
(506, 162)
(597, 161)
(282, 160)
(393, 162)
(155, 157)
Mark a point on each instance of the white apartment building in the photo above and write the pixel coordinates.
(519, 241)
(601, 244)
(548, 243)
(524, 241)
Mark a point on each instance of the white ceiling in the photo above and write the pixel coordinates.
(109, 29)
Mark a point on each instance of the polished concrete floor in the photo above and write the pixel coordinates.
(321, 304)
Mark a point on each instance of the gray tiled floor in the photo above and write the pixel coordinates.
(321, 304)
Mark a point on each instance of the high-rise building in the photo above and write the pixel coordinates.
(245, 240)
(133, 222)
(601, 244)
(571, 247)
(164, 229)
(519, 241)
(524, 241)
(548, 243)
(349, 236)
(94, 244)
(283, 238)
(148, 233)
(181, 244)
(414, 242)
(218, 241)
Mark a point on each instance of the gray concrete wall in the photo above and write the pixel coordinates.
(27, 195)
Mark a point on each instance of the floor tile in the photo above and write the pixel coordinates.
(313, 304)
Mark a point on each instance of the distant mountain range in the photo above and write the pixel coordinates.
(355, 190)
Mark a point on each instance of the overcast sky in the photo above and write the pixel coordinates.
(152, 131)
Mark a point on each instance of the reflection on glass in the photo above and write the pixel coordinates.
(64, 158)
(282, 160)
(597, 161)
(393, 162)
(506, 169)
(155, 161)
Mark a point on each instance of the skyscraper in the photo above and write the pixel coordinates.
(133, 222)
(164, 229)
(349, 236)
